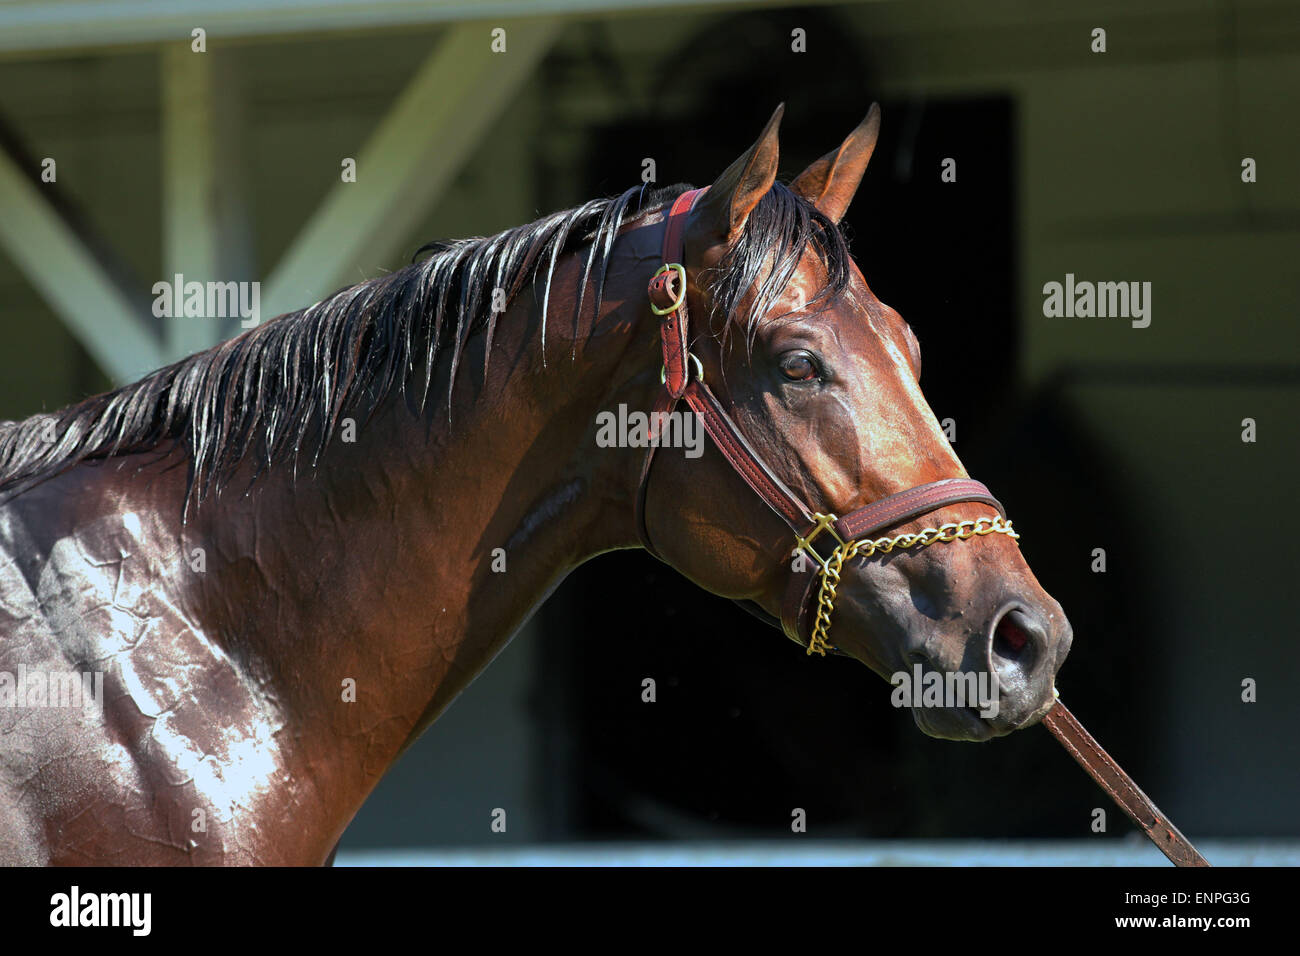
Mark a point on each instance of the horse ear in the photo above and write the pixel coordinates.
(724, 209)
(829, 183)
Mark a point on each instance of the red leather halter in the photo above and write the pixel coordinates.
(668, 300)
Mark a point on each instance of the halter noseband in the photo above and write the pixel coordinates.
(852, 533)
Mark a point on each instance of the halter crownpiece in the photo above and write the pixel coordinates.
(852, 534)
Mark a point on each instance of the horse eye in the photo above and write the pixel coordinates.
(798, 366)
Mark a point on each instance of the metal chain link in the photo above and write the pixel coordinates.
(954, 531)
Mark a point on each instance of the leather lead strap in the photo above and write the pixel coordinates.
(1120, 787)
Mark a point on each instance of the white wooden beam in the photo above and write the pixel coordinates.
(431, 130)
(206, 227)
(97, 311)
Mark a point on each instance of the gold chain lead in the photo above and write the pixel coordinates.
(830, 572)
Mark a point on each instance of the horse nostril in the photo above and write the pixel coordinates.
(1009, 639)
(1013, 643)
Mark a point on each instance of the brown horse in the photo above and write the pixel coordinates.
(286, 556)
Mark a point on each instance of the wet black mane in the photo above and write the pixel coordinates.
(283, 387)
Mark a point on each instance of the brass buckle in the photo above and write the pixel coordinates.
(804, 544)
(699, 369)
(680, 270)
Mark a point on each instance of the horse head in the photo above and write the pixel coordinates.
(820, 380)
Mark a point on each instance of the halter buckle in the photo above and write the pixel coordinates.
(804, 543)
(679, 271)
(699, 369)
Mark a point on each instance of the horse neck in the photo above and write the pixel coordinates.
(405, 560)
